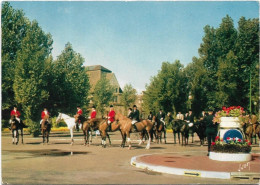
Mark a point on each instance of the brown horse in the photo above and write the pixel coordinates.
(144, 126)
(45, 128)
(91, 125)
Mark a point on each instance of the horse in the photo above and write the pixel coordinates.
(160, 128)
(176, 129)
(70, 121)
(185, 128)
(143, 126)
(45, 128)
(92, 125)
(200, 128)
(14, 129)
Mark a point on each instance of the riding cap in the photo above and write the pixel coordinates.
(111, 106)
(94, 106)
(134, 106)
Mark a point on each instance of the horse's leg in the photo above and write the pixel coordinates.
(17, 136)
(22, 134)
(91, 135)
(149, 140)
(109, 139)
(13, 136)
(165, 136)
(128, 140)
(141, 138)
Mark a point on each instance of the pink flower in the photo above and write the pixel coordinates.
(234, 139)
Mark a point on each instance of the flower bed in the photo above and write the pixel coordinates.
(232, 149)
(231, 145)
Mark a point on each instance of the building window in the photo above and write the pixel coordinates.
(116, 90)
(115, 99)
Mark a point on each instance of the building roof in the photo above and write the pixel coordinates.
(97, 67)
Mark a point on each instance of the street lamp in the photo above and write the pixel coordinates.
(190, 98)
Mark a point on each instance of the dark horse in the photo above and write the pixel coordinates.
(45, 128)
(184, 132)
(160, 129)
(176, 129)
(15, 127)
(200, 128)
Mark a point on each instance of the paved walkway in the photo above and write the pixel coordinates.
(200, 166)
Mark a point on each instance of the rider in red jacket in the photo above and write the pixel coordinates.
(93, 113)
(111, 115)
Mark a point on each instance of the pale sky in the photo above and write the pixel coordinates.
(132, 38)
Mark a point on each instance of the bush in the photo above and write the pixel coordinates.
(57, 125)
(5, 123)
(33, 127)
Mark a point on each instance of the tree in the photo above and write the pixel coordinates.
(167, 90)
(30, 85)
(103, 95)
(70, 85)
(14, 26)
(128, 96)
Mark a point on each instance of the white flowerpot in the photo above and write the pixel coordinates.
(228, 123)
(230, 156)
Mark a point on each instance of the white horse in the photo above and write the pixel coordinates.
(70, 121)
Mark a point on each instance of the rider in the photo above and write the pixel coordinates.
(43, 114)
(180, 116)
(150, 116)
(79, 112)
(16, 115)
(111, 116)
(130, 111)
(135, 117)
(93, 113)
(161, 116)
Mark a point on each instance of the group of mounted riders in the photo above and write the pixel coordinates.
(182, 124)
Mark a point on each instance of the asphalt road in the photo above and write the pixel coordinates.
(60, 163)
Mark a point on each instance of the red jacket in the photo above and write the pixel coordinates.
(43, 114)
(93, 114)
(79, 112)
(15, 113)
(111, 116)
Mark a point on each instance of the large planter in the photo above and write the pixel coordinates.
(230, 127)
(229, 122)
(236, 157)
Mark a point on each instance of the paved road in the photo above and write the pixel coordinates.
(61, 163)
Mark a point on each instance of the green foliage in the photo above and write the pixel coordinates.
(14, 26)
(30, 85)
(103, 95)
(69, 86)
(33, 127)
(128, 96)
(167, 90)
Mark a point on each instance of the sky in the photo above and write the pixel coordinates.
(132, 38)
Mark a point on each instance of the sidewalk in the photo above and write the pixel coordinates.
(198, 166)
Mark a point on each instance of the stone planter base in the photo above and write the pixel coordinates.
(235, 157)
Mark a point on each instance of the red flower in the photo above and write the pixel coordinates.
(213, 143)
(234, 139)
(239, 140)
(228, 138)
(249, 143)
(217, 137)
(246, 140)
(221, 140)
